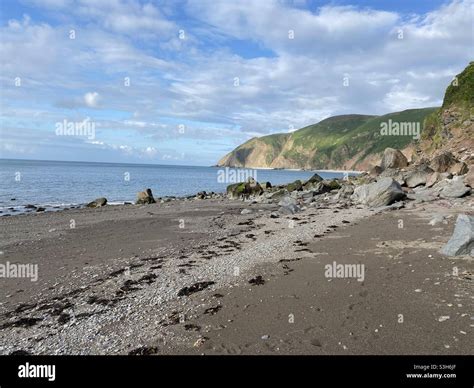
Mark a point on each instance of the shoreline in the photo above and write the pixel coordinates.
(31, 208)
(121, 281)
(293, 169)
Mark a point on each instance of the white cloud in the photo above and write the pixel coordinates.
(128, 17)
(91, 99)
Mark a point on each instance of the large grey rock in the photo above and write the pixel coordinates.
(381, 193)
(287, 200)
(394, 173)
(393, 158)
(275, 195)
(289, 205)
(462, 240)
(455, 188)
(345, 192)
(419, 176)
(443, 162)
(99, 202)
(432, 179)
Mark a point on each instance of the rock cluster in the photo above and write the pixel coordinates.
(443, 177)
(391, 185)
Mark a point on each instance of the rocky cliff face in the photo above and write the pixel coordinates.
(451, 127)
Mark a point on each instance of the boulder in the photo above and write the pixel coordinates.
(418, 176)
(459, 168)
(287, 200)
(375, 171)
(325, 186)
(145, 197)
(99, 202)
(469, 177)
(266, 185)
(253, 187)
(362, 179)
(393, 158)
(422, 196)
(381, 193)
(275, 195)
(432, 179)
(311, 182)
(289, 205)
(244, 189)
(443, 162)
(236, 190)
(314, 178)
(345, 192)
(462, 240)
(295, 186)
(332, 184)
(395, 174)
(455, 188)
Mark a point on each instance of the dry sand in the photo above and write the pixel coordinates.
(111, 284)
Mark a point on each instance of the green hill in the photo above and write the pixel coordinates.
(336, 142)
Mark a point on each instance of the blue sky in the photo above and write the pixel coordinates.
(185, 81)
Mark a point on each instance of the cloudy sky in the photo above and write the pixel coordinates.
(185, 81)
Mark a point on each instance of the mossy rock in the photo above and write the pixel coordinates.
(332, 184)
(242, 189)
(296, 185)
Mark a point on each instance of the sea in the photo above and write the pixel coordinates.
(55, 185)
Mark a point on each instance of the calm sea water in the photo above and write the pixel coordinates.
(58, 184)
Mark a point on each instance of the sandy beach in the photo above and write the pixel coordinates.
(199, 277)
